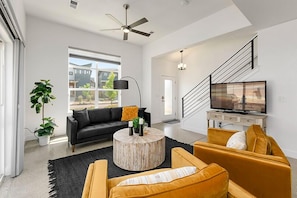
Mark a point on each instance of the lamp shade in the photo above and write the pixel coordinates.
(120, 84)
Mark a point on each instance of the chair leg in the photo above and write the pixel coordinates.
(73, 148)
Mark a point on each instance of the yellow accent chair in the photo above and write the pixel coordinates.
(209, 181)
(262, 169)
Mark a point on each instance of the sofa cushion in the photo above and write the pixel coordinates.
(237, 141)
(94, 130)
(100, 115)
(129, 113)
(116, 113)
(257, 141)
(82, 117)
(164, 176)
(211, 181)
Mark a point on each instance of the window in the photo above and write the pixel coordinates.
(90, 79)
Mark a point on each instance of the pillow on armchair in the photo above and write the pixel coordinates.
(257, 141)
(164, 176)
(237, 141)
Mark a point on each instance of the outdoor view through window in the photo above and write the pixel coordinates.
(90, 79)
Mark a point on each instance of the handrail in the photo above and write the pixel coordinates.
(235, 67)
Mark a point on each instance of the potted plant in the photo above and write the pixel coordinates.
(136, 124)
(41, 95)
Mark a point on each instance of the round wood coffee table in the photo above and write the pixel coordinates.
(138, 153)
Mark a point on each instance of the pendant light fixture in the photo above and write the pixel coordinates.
(181, 65)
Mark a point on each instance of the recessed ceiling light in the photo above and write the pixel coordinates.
(73, 4)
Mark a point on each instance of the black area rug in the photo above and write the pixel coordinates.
(67, 175)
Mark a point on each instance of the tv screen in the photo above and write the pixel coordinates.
(239, 96)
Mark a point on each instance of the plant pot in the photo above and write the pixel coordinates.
(43, 140)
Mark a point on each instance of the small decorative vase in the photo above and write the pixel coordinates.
(140, 130)
(130, 131)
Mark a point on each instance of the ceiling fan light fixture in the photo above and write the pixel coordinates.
(181, 65)
(126, 29)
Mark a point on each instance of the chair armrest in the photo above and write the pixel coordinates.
(219, 136)
(180, 157)
(236, 191)
(96, 176)
(71, 129)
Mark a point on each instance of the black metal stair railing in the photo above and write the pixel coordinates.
(235, 68)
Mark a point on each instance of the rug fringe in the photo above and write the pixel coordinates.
(52, 180)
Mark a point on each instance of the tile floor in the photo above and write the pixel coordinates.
(33, 182)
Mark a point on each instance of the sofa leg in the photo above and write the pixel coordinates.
(73, 148)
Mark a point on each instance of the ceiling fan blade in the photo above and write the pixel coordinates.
(125, 36)
(114, 19)
(139, 22)
(110, 29)
(139, 32)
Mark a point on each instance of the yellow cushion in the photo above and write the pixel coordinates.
(257, 141)
(129, 113)
(211, 181)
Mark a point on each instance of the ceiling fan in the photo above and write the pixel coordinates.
(128, 28)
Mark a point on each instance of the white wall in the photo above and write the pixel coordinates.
(277, 59)
(160, 67)
(203, 60)
(278, 65)
(47, 58)
(222, 22)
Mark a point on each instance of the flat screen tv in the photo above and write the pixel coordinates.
(244, 97)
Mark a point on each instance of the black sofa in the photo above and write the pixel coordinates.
(89, 125)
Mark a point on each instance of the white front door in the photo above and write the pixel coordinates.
(168, 98)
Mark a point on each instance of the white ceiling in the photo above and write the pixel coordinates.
(164, 16)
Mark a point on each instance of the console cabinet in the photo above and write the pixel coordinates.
(236, 118)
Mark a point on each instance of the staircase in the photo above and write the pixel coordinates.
(234, 69)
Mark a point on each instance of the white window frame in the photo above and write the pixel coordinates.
(97, 56)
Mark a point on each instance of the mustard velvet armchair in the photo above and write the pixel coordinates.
(262, 169)
(209, 181)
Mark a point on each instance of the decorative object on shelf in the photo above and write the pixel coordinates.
(123, 84)
(39, 96)
(181, 65)
(130, 128)
(140, 126)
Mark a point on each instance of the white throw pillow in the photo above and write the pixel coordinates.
(237, 141)
(165, 176)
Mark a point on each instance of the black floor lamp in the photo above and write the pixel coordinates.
(123, 84)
